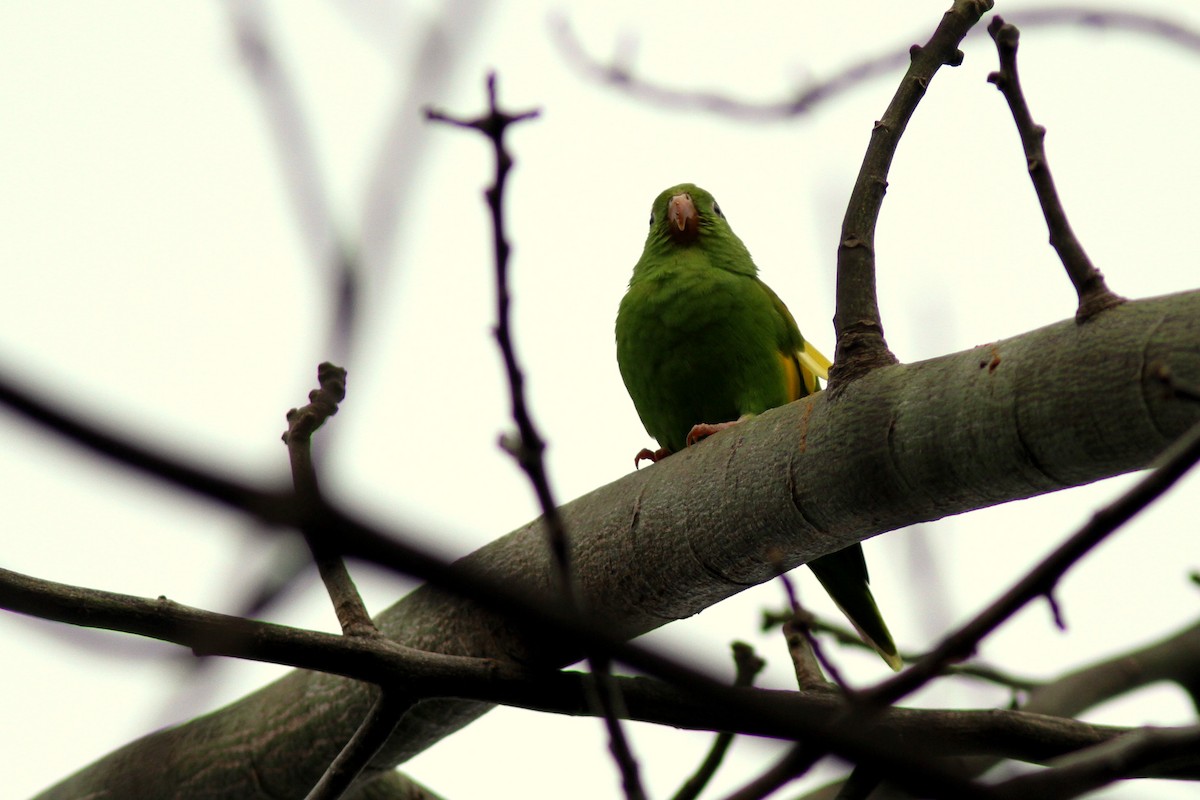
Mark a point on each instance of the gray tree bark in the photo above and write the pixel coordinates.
(1057, 407)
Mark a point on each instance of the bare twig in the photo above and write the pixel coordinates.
(395, 169)
(278, 508)
(620, 75)
(205, 633)
(1039, 582)
(1131, 755)
(299, 166)
(808, 657)
(860, 343)
(748, 666)
(1175, 658)
(1012, 734)
(794, 763)
(529, 447)
(302, 423)
(347, 603)
(1094, 295)
(844, 636)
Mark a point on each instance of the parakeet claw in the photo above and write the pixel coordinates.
(706, 429)
(650, 455)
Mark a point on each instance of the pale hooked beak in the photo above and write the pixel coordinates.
(683, 222)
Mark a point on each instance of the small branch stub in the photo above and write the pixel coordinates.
(322, 403)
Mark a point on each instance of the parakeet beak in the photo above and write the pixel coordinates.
(683, 223)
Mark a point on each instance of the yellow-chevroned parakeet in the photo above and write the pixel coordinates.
(702, 343)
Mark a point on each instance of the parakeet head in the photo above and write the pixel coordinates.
(687, 216)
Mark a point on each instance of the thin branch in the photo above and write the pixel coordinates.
(860, 342)
(748, 665)
(1175, 658)
(1131, 755)
(622, 77)
(302, 423)
(1094, 295)
(205, 633)
(846, 637)
(794, 763)
(529, 448)
(619, 74)
(1174, 463)
(808, 657)
(394, 172)
(299, 165)
(778, 714)
(371, 735)
(351, 612)
(474, 579)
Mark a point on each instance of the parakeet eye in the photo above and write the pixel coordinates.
(717, 209)
(651, 219)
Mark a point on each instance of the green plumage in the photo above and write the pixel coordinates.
(702, 341)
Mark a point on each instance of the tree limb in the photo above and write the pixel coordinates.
(1056, 407)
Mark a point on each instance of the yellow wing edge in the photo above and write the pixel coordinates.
(813, 365)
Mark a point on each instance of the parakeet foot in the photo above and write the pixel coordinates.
(652, 456)
(706, 429)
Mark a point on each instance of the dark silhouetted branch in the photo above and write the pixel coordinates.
(748, 666)
(529, 447)
(1039, 582)
(302, 423)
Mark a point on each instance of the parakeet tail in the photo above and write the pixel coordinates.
(843, 574)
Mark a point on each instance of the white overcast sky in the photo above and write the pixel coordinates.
(155, 275)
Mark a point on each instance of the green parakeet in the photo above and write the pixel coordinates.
(702, 344)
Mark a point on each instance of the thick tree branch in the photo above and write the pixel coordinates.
(1057, 407)
(1041, 580)
(1018, 735)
